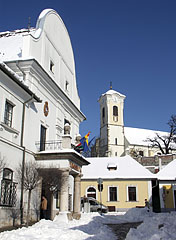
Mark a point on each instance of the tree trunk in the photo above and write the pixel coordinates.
(28, 209)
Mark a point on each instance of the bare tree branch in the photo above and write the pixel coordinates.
(31, 179)
(52, 179)
(164, 143)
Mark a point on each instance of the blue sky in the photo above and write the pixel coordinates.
(129, 42)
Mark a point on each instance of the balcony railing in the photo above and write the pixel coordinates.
(49, 145)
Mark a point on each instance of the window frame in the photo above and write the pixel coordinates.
(115, 113)
(109, 194)
(43, 130)
(51, 66)
(8, 193)
(136, 193)
(9, 172)
(67, 85)
(141, 153)
(92, 192)
(8, 116)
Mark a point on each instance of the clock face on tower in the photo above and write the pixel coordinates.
(115, 99)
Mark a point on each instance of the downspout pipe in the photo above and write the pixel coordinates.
(23, 158)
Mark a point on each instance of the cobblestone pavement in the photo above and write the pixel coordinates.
(122, 229)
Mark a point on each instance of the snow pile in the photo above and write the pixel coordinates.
(90, 226)
(137, 215)
(155, 226)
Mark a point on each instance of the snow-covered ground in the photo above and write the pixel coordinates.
(155, 226)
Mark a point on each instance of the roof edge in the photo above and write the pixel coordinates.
(16, 79)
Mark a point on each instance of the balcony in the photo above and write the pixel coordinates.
(49, 145)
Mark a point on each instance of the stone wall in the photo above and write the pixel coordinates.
(155, 163)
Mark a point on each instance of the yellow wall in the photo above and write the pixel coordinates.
(169, 203)
(141, 186)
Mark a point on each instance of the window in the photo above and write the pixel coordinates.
(66, 85)
(141, 153)
(112, 166)
(131, 194)
(116, 154)
(115, 141)
(8, 113)
(42, 138)
(103, 115)
(51, 66)
(113, 194)
(8, 174)
(91, 192)
(115, 113)
(8, 189)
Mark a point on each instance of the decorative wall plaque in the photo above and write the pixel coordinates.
(46, 109)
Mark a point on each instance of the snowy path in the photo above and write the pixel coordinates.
(122, 229)
(93, 226)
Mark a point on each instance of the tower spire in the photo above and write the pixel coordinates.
(110, 85)
(29, 23)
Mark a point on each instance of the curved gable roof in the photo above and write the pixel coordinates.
(50, 25)
(50, 45)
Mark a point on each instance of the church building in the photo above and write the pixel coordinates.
(115, 138)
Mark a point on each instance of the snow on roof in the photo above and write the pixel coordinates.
(127, 168)
(168, 172)
(2, 64)
(138, 136)
(18, 80)
(65, 150)
(11, 44)
(111, 92)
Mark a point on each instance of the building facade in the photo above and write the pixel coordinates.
(167, 187)
(39, 101)
(126, 183)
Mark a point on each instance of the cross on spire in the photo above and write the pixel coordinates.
(29, 23)
(110, 85)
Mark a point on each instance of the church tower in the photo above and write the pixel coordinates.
(111, 124)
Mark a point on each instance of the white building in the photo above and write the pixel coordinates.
(38, 95)
(116, 139)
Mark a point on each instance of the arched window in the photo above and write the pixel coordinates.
(7, 174)
(115, 113)
(103, 115)
(91, 192)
